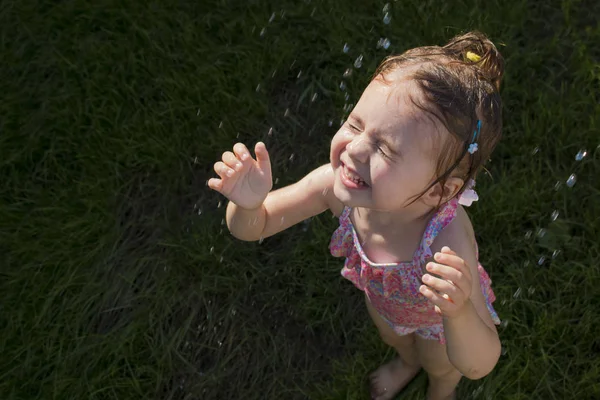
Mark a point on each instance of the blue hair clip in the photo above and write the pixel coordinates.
(473, 146)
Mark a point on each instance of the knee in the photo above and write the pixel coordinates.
(444, 371)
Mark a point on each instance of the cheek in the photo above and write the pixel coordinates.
(338, 144)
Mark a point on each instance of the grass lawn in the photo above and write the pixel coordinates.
(118, 278)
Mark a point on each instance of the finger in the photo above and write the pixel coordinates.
(242, 152)
(445, 304)
(449, 273)
(443, 286)
(215, 184)
(232, 161)
(223, 170)
(452, 261)
(262, 156)
(448, 250)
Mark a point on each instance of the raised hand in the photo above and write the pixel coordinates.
(452, 290)
(243, 180)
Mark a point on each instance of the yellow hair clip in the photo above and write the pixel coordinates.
(473, 57)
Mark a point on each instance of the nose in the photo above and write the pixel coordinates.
(358, 149)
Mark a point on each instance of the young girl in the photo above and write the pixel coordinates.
(400, 168)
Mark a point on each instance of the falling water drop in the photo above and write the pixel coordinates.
(262, 239)
(270, 131)
(359, 61)
(219, 204)
(263, 31)
(555, 254)
(554, 215)
(504, 350)
(287, 112)
(221, 260)
(557, 185)
(541, 232)
(299, 74)
(314, 97)
(330, 123)
(580, 155)
(292, 157)
(531, 290)
(212, 249)
(347, 96)
(347, 72)
(272, 18)
(220, 124)
(517, 293)
(258, 87)
(528, 234)
(387, 18)
(572, 180)
(542, 260)
(346, 48)
(343, 85)
(535, 150)
(504, 323)
(384, 43)
(386, 8)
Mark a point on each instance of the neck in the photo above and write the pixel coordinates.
(384, 220)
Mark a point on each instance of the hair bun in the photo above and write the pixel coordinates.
(475, 48)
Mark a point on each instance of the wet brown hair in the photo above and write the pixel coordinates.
(459, 89)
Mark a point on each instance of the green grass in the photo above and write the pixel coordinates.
(119, 279)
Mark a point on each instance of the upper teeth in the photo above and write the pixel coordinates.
(353, 177)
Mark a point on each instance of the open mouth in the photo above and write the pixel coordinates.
(351, 179)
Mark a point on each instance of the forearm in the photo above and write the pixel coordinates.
(246, 224)
(473, 347)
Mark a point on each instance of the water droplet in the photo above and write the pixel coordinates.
(282, 13)
(276, 181)
(554, 215)
(314, 97)
(555, 254)
(212, 249)
(223, 221)
(270, 131)
(233, 311)
(531, 290)
(541, 232)
(542, 260)
(358, 62)
(386, 8)
(263, 31)
(387, 18)
(528, 234)
(219, 204)
(347, 96)
(346, 48)
(557, 185)
(580, 155)
(343, 85)
(504, 350)
(347, 72)
(312, 13)
(517, 293)
(292, 157)
(535, 150)
(258, 87)
(198, 112)
(572, 180)
(384, 43)
(330, 123)
(504, 323)
(220, 343)
(220, 124)
(526, 263)
(299, 74)
(342, 121)
(261, 240)
(287, 112)
(272, 18)
(478, 391)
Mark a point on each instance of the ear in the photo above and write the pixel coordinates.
(439, 194)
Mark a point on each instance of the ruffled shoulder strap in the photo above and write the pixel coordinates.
(438, 222)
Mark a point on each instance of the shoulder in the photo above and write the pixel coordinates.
(460, 237)
(319, 182)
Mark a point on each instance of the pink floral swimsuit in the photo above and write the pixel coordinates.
(393, 288)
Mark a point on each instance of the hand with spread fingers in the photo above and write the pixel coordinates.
(243, 180)
(450, 291)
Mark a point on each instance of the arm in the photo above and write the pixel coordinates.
(473, 344)
(284, 207)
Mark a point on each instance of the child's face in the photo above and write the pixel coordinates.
(389, 148)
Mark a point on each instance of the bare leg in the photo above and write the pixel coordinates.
(443, 376)
(392, 377)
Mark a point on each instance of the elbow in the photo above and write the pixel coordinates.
(479, 372)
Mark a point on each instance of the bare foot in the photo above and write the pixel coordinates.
(390, 378)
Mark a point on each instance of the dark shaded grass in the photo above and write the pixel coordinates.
(119, 279)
